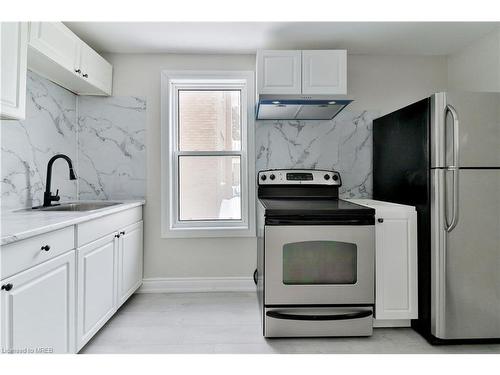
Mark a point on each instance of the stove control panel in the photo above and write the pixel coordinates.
(299, 177)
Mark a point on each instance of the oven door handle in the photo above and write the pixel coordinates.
(346, 316)
(369, 220)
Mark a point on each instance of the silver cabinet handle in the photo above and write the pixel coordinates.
(451, 224)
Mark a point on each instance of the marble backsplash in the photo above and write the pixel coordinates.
(111, 147)
(343, 144)
(105, 137)
(48, 129)
(106, 145)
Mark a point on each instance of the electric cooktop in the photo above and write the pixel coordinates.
(293, 196)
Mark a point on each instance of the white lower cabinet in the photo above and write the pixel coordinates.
(109, 272)
(38, 308)
(55, 298)
(129, 261)
(97, 285)
(396, 288)
(109, 268)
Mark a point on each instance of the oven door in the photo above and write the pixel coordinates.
(319, 265)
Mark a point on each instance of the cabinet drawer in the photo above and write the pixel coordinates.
(95, 229)
(27, 253)
(298, 322)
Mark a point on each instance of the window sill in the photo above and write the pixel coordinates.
(207, 232)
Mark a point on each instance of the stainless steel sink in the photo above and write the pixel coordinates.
(79, 206)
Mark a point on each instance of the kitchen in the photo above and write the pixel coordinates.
(159, 251)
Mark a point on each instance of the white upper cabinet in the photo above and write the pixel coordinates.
(302, 72)
(324, 72)
(56, 42)
(56, 53)
(14, 41)
(279, 72)
(95, 70)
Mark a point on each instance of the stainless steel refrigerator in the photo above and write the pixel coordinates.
(442, 155)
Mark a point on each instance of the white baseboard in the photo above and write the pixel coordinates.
(386, 323)
(197, 284)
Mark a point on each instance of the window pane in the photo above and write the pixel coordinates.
(209, 120)
(319, 262)
(209, 188)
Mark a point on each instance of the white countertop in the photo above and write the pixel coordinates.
(21, 224)
(380, 204)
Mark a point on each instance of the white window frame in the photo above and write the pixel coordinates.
(171, 83)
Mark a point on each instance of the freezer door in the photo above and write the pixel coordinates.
(478, 116)
(465, 262)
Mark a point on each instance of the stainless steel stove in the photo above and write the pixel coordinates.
(315, 263)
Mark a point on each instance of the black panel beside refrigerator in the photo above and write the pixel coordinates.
(401, 174)
(411, 158)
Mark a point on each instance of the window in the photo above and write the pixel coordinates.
(207, 154)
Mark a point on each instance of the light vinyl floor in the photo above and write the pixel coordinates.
(230, 323)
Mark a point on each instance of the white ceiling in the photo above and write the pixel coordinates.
(396, 38)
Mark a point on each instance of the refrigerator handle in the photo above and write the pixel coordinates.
(451, 224)
(456, 140)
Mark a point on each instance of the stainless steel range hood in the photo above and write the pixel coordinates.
(300, 107)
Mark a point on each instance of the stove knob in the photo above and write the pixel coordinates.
(272, 177)
(263, 177)
(327, 177)
(335, 177)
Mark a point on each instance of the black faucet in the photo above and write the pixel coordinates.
(48, 198)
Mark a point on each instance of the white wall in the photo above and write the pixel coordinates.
(386, 83)
(140, 74)
(476, 67)
(380, 83)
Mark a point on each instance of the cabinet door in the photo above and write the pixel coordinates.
(95, 70)
(396, 265)
(324, 72)
(96, 286)
(57, 42)
(130, 255)
(14, 41)
(38, 312)
(278, 72)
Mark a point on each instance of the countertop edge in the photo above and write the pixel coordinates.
(374, 203)
(66, 222)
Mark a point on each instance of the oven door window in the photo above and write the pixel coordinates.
(319, 262)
